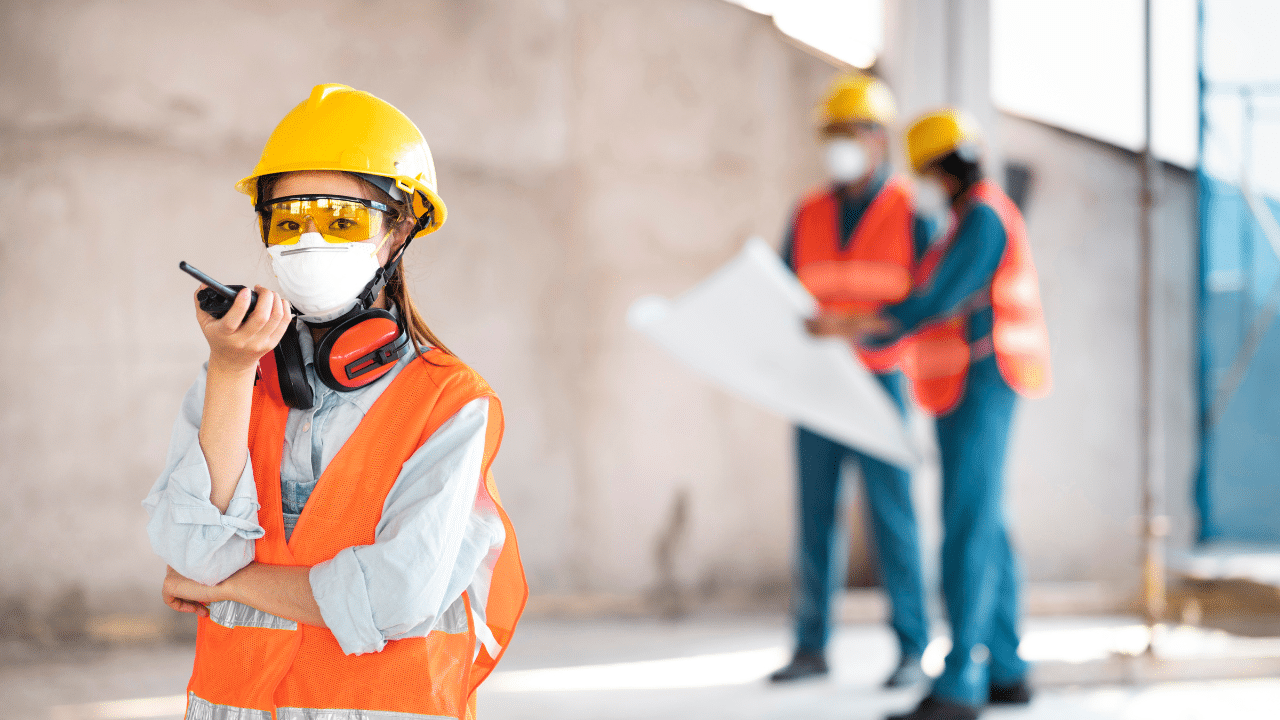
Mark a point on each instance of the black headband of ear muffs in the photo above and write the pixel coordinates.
(291, 370)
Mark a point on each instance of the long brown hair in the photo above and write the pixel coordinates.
(397, 290)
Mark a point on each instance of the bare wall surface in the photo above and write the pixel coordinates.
(1074, 470)
(590, 152)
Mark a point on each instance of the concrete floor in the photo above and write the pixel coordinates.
(709, 667)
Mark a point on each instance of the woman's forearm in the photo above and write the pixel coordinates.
(236, 342)
(282, 590)
(224, 429)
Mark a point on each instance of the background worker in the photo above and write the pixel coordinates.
(978, 340)
(853, 244)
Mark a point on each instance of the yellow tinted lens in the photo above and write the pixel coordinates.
(337, 220)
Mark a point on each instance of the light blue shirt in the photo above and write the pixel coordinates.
(432, 530)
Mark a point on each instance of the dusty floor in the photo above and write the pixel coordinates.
(707, 667)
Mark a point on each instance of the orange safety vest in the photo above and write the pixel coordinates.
(940, 353)
(253, 665)
(872, 271)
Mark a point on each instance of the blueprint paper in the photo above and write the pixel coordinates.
(743, 328)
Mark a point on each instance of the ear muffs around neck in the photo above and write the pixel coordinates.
(291, 370)
(360, 350)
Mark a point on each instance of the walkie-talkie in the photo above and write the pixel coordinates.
(217, 298)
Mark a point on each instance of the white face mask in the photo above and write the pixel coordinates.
(931, 197)
(846, 159)
(323, 279)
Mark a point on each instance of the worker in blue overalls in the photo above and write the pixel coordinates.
(854, 244)
(978, 341)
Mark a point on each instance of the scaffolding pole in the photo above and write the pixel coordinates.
(1154, 524)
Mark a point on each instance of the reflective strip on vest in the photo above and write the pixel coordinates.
(231, 614)
(871, 270)
(293, 713)
(200, 709)
(454, 618)
(839, 281)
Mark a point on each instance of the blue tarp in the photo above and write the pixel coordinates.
(1238, 490)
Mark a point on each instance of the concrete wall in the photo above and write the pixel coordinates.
(1074, 470)
(590, 152)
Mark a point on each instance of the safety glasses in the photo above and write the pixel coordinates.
(337, 218)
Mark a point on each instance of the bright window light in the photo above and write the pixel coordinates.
(1079, 66)
(851, 31)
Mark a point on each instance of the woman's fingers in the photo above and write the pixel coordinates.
(240, 338)
(172, 581)
(281, 316)
(188, 606)
(235, 316)
(275, 321)
(256, 320)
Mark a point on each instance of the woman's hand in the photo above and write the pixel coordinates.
(852, 327)
(238, 339)
(186, 595)
(282, 590)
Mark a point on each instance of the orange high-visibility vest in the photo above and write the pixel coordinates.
(250, 664)
(872, 271)
(941, 353)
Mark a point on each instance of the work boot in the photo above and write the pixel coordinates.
(907, 673)
(805, 664)
(1017, 692)
(934, 708)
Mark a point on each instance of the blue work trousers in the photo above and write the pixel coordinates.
(980, 575)
(820, 558)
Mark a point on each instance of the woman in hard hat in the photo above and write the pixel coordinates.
(978, 341)
(853, 245)
(327, 508)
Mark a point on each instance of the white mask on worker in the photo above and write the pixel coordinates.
(847, 160)
(931, 197)
(323, 279)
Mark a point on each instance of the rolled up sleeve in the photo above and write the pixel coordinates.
(433, 537)
(185, 528)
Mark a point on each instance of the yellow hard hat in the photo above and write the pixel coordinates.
(854, 97)
(937, 133)
(340, 128)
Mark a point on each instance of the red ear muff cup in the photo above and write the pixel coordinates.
(360, 350)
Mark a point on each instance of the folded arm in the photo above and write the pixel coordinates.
(433, 537)
(192, 534)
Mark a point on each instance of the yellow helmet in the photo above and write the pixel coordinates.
(937, 133)
(854, 97)
(340, 128)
